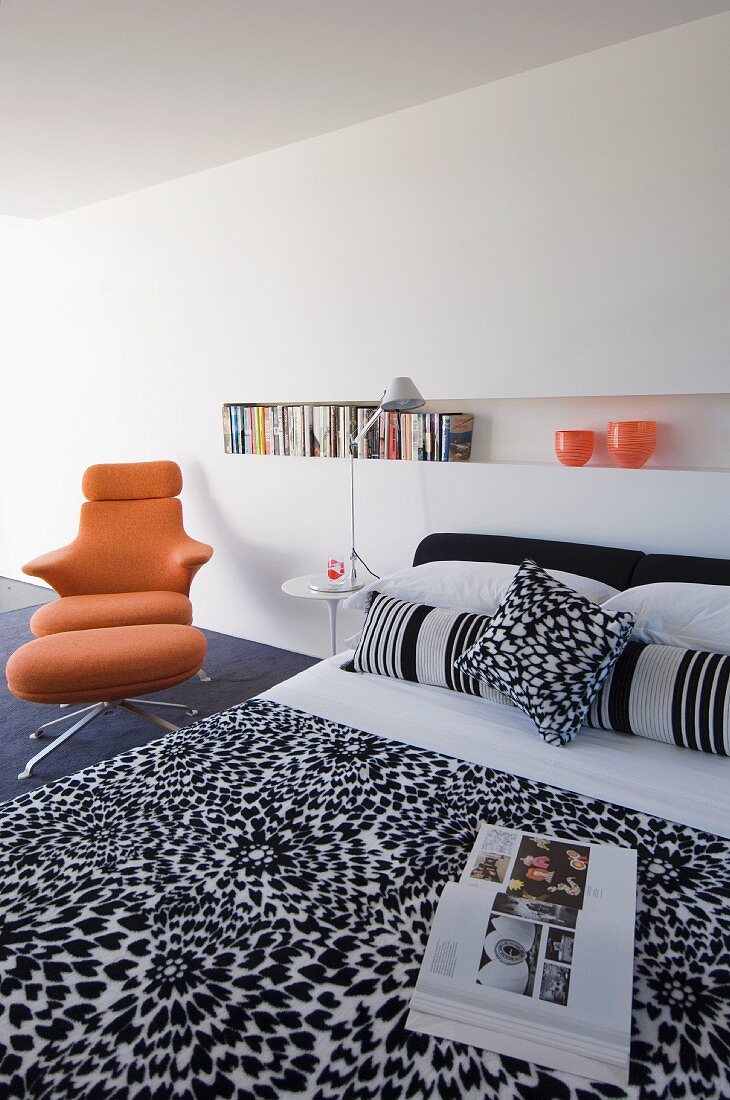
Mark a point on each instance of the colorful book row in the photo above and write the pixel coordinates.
(324, 431)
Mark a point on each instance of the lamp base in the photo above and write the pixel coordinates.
(322, 584)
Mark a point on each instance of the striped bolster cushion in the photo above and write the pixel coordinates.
(680, 696)
(413, 641)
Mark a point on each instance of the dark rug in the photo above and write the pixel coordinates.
(239, 670)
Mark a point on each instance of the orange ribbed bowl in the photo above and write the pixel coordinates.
(631, 442)
(573, 448)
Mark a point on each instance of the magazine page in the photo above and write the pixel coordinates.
(536, 943)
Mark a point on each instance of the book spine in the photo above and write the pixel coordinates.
(245, 426)
(360, 425)
(296, 428)
(268, 430)
(285, 430)
(319, 428)
(227, 446)
(324, 431)
(279, 438)
(234, 443)
(392, 428)
(342, 431)
(445, 434)
(353, 426)
(308, 431)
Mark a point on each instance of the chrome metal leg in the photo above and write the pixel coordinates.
(157, 703)
(64, 718)
(89, 714)
(128, 704)
(332, 608)
(203, 675)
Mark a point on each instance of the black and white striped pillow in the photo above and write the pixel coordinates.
(665, 693)
(413, 641)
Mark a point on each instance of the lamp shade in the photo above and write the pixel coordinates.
(400, 396)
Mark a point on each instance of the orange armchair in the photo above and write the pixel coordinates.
(131, 563)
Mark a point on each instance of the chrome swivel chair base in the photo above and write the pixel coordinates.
(88, 714)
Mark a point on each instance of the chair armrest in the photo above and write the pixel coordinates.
(192, 554)
(51, 567)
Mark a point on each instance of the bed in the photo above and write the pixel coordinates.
(240, 909)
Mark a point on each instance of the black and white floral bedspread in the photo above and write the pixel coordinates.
(240, 909)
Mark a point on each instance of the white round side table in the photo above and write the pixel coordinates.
(299, 586)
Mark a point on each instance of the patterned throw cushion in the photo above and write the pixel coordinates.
(412, 641)
(549, 650)
(680, 696)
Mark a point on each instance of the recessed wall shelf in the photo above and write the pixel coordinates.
(693, 429)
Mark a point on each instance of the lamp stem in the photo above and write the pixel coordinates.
(353, 552)
(354, 440)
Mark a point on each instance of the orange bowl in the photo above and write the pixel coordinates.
(631, 442)
(573, 448)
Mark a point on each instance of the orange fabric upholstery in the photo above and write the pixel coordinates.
(132, 481)
(101, 666)
(127, 543)
(115, 609)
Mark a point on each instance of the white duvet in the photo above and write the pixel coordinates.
(667, 781)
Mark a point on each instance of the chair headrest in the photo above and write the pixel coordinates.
(132, 480)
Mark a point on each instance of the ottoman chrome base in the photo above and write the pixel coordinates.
(88, 714)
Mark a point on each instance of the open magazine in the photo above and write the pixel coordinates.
(531, 954)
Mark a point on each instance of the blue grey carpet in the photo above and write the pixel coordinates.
(239, 669)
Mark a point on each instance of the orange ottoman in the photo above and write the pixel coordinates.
(104, 667)
(95, 666)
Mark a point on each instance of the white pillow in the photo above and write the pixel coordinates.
(693, 616)
(477, 586)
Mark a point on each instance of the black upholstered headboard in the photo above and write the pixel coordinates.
(620, 568)
(676, 567)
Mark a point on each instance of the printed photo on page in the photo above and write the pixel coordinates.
(491, 857)
(550, 870)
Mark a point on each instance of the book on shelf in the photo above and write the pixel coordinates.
(531, 953)
(227, 433)
(324, 431)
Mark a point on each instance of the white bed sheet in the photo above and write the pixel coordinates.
(664, 780)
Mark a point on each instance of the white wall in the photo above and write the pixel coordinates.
(562, 232)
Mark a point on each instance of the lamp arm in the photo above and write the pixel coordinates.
(355, 439)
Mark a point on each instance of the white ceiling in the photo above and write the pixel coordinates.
(102, 97)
